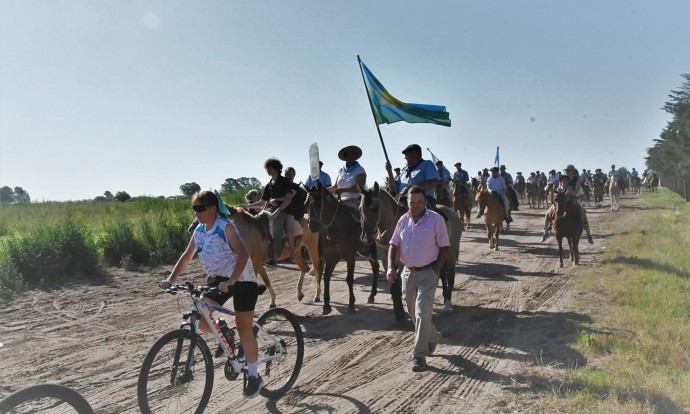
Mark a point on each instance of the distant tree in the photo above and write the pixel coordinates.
(189, 189)
(6, 195)
(21, 196)
(122, 196)
(108, 195)
(231, 184)
(623, 171)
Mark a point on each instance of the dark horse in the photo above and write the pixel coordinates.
(567, 224)
(339, 235)
(380, 213)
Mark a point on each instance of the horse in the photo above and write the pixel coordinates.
(615, 192)
(547, 194)
(494, 214)
(651, 183)
(598, 191)
(443, 195)
(380, 213)
(462, 203)
(532, 195)
(254, 237)
(520, 188)
(635, 183)
(567, 225)
(340, 239)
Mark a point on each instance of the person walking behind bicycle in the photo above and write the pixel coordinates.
(421, 239)
(225, 260)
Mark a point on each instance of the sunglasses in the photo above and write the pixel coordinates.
(199, 208)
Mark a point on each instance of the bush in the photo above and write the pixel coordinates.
(119, 246)
(10, 280)
(50, 252)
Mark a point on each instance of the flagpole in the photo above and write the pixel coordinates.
(373, 114)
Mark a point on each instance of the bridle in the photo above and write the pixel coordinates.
(312, 212)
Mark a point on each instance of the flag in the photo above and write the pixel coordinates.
(435, 160)
(388, 110)
(497, 163)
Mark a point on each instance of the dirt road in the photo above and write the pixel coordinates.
(509, 306)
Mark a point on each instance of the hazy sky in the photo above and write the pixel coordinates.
(144, 96)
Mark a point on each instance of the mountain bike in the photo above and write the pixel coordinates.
(177, 373)
(43, 398)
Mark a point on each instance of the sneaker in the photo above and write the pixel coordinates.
(419, 364)
(254, 386)
(219, 352)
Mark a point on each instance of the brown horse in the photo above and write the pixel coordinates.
(462, 203)
(339, 236)
(380, 213)
(532, 195)
(651, 183)
(567, 225)
(635, 184)
(494, 214)
(615, 193)
(254, 237)
(598, 187)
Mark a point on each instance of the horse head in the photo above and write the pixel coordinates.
(560, 200)
(321, 207)
(369, 211)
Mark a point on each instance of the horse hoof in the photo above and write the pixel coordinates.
(317, 299)
(371, 300)
(327, 310)
(447, 306)
(272, 305)
(300, 296)
(351, 307)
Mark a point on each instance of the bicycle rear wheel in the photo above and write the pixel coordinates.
(41, 398)
(166, 385)
(281, 373)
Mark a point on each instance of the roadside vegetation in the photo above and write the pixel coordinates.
(637, 347)
(52, 242)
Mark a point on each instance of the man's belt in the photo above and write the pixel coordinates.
(417, 269)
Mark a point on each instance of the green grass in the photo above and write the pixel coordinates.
(42, 242)
(638, 347)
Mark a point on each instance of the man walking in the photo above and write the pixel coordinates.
(421, 239)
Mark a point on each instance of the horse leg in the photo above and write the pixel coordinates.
(560, 248)
(375, 280)
(303, 269)
(396, 295)
(498, 231)
(350, 279)
(264, 277)
(328, 272)
(490, 235)
(312, 245)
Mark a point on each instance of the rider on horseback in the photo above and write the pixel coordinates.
(497, 184)
(460, 178)
(573, 186)
(510, 191)
(418, 171)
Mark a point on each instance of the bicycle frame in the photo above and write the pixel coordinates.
(205, 310)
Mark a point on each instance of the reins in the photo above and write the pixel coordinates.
(319, 222)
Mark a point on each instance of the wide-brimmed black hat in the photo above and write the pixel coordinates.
(413, 147)
(494, 169)
(357, 150)
(458, 164)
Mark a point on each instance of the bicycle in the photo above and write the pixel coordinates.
(177, 373)
(54, 398)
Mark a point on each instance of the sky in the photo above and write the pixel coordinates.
(144, 96)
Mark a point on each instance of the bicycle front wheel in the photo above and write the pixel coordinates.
(177, 375)
(41, 398)
(279, 373)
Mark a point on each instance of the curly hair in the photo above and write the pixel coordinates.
(275, 164)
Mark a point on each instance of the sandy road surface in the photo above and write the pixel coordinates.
(509, 306)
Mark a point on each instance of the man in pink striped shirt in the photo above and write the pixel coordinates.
(421, 239)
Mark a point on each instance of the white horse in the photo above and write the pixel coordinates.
(615, 192)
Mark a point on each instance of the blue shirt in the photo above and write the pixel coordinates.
(496, 184)
(461, 176)
(424, 171)
(324, 179)
(444, 175)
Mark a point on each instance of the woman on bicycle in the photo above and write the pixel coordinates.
(225, 260)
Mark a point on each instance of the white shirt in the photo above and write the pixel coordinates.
(496, 184)
(347, 178)
(215, 253)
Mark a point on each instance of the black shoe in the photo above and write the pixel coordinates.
(254, 386)
(419, 364)
(219, 352)
(270, 263)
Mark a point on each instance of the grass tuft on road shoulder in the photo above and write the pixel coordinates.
(638, 345)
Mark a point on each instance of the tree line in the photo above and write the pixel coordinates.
(670, 155)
